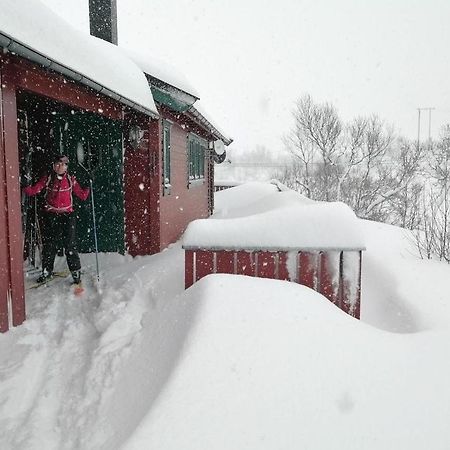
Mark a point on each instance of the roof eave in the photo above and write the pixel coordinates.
(184, 96)
(198, 117)
(17, 48)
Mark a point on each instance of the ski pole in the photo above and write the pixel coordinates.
(93, 221)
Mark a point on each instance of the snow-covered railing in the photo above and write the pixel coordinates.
(222, 185)
(334, 273)
(280, 235)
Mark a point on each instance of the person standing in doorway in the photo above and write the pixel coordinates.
(58, 217)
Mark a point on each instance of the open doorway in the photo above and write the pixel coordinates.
(47, 128)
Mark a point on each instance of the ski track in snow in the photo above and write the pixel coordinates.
(72, 346)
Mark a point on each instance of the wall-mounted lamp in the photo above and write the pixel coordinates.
(135, 136)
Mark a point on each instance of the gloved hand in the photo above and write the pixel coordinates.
(84, 177)
(25, 179)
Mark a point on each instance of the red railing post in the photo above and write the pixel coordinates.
(188, 268)
(245, 263)
(204, 263)
(225, 262)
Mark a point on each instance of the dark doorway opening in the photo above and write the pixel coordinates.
(47, 128)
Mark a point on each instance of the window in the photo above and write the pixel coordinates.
(196, 157)
(166, 158)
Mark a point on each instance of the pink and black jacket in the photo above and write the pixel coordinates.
(58, 195)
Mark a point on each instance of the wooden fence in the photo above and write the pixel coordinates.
(334, 273)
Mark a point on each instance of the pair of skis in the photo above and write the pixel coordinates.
(77, 288)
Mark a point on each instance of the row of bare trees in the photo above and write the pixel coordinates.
(433, 232)
(381, 176)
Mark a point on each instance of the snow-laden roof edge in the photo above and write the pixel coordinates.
(162, 71)
(168, 75)
(33, 31)
(199, 116)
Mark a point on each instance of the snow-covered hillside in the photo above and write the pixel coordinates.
(234, 362)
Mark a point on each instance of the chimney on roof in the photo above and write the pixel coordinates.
(103, 19)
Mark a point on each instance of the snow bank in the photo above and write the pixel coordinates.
(233, 362)
(401, 292)
(34, 25)
(273, 365)
(277, 221)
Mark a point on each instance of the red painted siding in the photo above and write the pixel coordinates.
(184, 203)
(5, 278)
(11, 195)
(25, 75)
(141, 174)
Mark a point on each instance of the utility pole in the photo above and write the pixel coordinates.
(429, 109)
(429, 128)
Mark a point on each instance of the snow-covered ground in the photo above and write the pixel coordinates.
(233, 362)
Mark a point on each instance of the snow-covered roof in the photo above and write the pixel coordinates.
(32, 30)
(162, 71)
(172, 77)
(275, 221)
(197, 112)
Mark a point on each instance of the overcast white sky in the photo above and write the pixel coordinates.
(251, 59)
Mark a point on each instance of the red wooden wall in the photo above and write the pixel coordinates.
(12, 295)
(141, 188)
(184, 204)
(335, 274)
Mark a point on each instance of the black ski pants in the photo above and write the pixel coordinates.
(59, 232)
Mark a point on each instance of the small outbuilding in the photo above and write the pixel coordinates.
(282, 236)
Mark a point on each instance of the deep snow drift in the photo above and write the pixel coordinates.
(233, 362)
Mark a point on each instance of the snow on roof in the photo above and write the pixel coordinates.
(168, 74)
(162, 71)
(199, 112)
(274, 220)
(36, 27)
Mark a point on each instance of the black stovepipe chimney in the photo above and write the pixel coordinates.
(103, 19)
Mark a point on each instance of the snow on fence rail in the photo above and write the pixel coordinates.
(282, 235)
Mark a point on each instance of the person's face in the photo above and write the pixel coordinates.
(60, 167)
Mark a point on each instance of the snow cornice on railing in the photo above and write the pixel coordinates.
(284, 223)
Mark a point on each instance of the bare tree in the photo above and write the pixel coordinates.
(301, 170)
(397, 173)
(440, 174)
(360, 163)
(425, 235)
(315, 139)
(370, 142)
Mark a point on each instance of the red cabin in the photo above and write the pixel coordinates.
(65, 92)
